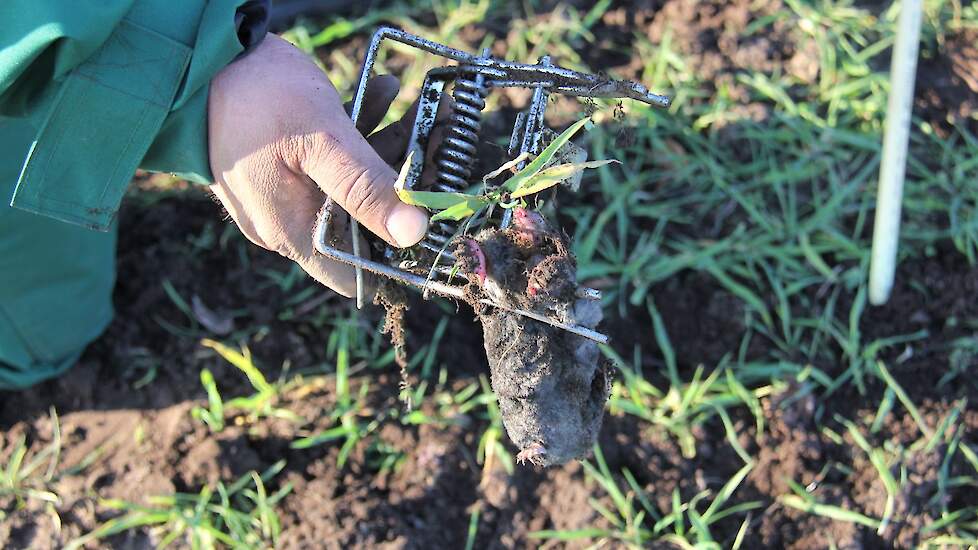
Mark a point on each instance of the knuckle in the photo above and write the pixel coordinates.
(362, 196)
(309, 148)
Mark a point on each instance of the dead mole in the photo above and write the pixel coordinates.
(551, 384)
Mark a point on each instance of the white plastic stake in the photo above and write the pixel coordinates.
(893, 164)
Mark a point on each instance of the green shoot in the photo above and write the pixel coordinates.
(535, 177)
(261, 404)
(27, 476)
(239, 515)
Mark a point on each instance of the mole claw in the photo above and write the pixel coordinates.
(533, 454)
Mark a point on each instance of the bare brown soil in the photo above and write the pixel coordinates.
(150, 445)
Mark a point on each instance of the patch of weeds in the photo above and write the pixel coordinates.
(449, 406)
(350, 427)
(261, 404)
(239, 515)
(351, 424)
(633, 520)
(27, 477)
(684, 405)
(926, 493)
(352, 419)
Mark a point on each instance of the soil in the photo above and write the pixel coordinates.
(147, 442)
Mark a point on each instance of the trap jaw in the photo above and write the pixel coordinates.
(473, 77)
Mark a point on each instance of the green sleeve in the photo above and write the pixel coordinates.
(181, 146)
(109, 86)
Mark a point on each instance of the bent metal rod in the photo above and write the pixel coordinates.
(473, 77)
(447, 290)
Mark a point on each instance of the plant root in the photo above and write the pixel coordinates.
(393, 298)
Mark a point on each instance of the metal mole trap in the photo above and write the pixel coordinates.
(472, 77)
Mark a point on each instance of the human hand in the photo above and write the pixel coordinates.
(279, 139)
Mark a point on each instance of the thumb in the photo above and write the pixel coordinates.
(348, 169)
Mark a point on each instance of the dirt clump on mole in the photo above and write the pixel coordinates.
(551, 384)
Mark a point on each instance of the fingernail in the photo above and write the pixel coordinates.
(407, 224)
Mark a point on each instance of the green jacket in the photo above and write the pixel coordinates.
(109, 86)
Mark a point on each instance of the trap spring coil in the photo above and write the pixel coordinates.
(456, 155)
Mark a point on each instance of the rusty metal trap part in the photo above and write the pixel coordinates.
(472, 78)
